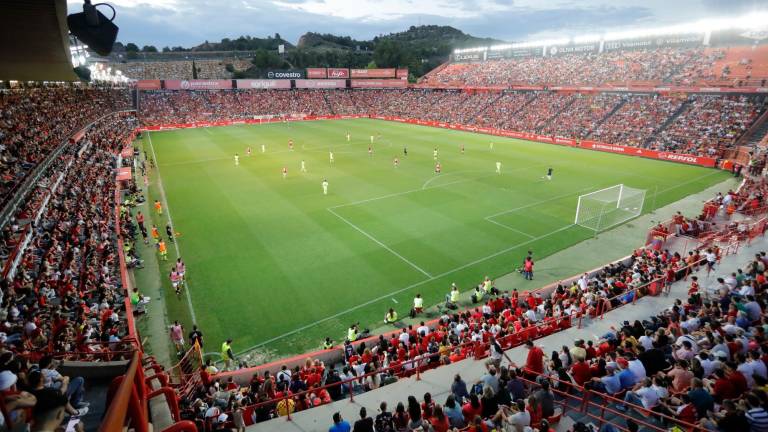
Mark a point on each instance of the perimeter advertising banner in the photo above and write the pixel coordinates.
(148, 85)
(338, 73)
(263, 84)
(321, 84)
(197, 84)
(285, 74)
(317, 73)
(385, 83)
(373, 73)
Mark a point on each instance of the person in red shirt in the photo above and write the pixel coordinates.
(581, 372)
(472, 408)
(535, 360)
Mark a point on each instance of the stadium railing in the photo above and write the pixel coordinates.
(127, 401)
(586, 402)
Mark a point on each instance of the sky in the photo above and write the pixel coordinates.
(190, 22)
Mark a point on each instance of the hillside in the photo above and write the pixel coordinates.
(420, 49)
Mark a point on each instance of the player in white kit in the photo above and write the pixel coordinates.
(263, 148)
(330, 157)
(325, 187)
(237, 159)
(349, 137)
(303, 167)
(248, 151)
(285, 172)
(498, 167)
(434, 153)
(491, 146)
(371, 139)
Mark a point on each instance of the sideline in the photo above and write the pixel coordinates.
(170, 222)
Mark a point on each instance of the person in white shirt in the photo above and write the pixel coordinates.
(423, 330)
(303, 167)
(645, 340)
(325, 187)
(237, 159)
(404, 338)
(758, 366)
(636, 367)
(643, 395)
(746, 290)
(330, 157)
(498, 167)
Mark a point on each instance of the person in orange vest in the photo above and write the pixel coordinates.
(155, 234)
(163, 250)
(158, 208)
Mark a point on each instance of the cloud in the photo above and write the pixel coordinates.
(190, 22)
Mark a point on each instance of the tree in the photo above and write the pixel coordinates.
(131, 47)
(149, 48)
(166, 49)
(389, 54)
(264, 59)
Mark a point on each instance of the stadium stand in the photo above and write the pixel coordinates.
(35, 121)
(737, 66)
(699, 124)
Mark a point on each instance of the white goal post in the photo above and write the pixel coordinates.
(606, 208)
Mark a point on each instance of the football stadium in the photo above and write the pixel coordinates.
(372, 225)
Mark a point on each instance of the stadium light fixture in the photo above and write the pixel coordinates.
(754, 20)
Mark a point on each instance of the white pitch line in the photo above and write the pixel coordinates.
(508, 227)
(392, 195)
(535, 203)
(360, 230)
(389, 295)
(170, 222)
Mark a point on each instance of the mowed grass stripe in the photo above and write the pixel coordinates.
(268, 258)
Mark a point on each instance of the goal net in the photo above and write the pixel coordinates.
(609, 207)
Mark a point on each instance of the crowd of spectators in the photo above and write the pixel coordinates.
(66, 294)
(705, 124)
(709, 124)
(169, 107)
(35, 121)
(675, 65)
(637, 120)
(582, 116)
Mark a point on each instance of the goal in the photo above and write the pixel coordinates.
(609, 207)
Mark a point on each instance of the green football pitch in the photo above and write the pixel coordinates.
(275, 264)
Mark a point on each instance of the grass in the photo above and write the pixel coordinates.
(274, 263)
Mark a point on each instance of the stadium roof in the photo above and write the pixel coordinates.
(34, 45)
